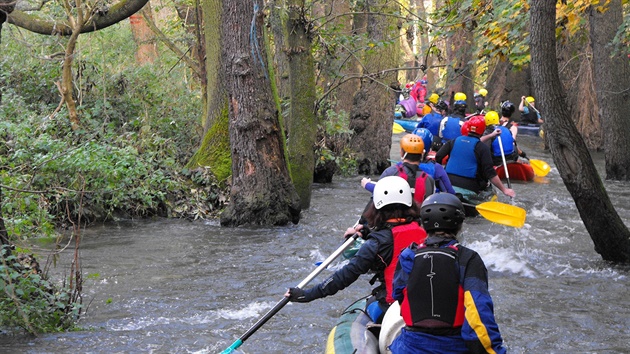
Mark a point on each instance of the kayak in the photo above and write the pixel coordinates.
(356, 333)
(529, 129)
(517, 170)
(408, 124)
(470, 199)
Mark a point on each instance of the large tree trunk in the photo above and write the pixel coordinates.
(612, 80)
(262, 193)
(146, 51)
(214, 151)
(302, 121)
(373, 112)
(608, 232)
(459, 73)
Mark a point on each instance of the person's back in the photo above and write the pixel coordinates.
(442, 288)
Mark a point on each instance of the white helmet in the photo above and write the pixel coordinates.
(392, 190)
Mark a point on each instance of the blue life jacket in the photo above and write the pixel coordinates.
(452, 129)
(462, 160)
(432, 122)
(507, 141)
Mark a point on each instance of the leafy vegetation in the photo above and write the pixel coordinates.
(125, 161)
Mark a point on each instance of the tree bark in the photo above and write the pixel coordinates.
(103, 17)
(459, 74)
(302, 118)
(608, 232)
(372, 115)
(261, 193)
(612, 83)
(146, 51)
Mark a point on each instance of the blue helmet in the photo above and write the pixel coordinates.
(426, 136)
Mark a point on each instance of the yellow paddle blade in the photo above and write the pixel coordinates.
(397, 129)
(541, 168)
(501, 213)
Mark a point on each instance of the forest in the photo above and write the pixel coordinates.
(233, 109)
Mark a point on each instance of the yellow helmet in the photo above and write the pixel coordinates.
(460, 96)
(492, 118)
(434, 98)
(483, 92)
(412, 144)
(529, 99)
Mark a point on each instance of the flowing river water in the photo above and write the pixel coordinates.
(173, 286)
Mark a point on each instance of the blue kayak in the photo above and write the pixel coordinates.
(408, 124)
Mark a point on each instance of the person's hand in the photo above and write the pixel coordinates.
(364, 181)
(353, 230)
(296, 295)
(509, 192)
(496, 132)
(522, 98)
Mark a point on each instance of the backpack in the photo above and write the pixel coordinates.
(434, 296)
(421, 185)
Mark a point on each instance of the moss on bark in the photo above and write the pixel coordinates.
(215, 149)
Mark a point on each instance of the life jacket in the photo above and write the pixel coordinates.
(421, 185)
(452, 129)
(404, 235)
(531, 117)
(434, 296)
(506, 139)
(462, 160)
(432, 121)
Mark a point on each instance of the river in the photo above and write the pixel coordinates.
(173, 286)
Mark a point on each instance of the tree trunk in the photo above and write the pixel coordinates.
(146, 51)
(277, 23)
(608, 232)
(459, 74)
(612, 80)
(214, 151)
(302, 119)
(262, 193)
(373, 111)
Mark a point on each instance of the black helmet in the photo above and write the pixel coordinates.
(507, 108)
(441, 105)
(442, 211)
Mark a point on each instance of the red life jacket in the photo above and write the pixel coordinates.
(434, 297)
(418, 184)
(404, 235)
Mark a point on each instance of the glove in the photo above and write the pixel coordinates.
(297, 295)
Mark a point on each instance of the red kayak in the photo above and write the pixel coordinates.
(518, 171)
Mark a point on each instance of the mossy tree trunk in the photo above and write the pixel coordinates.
(302, 119)
(372, 115)
(214, 151)
(261, 193)
(607, 230)
(612, 83)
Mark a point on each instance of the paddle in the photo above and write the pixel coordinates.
(507, 174)
(397, 128)
(501, 213)
(285, 300)
(541, 168)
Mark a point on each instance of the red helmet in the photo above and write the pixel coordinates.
(465, 128)
(477, 125)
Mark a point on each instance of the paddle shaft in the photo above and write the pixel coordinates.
(507, 174)
(285, 300)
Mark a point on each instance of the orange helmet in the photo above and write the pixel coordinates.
(412, 144)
